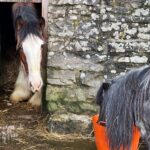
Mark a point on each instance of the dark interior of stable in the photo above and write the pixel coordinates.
(9, 60)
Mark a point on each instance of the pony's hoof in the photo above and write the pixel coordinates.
(14, 98)
(31, 107)
(35, 101)
(18, 96)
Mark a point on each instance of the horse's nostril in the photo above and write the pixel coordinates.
(35, 87)
(30, 85)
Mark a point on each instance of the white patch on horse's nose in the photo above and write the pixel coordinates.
(35, 86)
(35, 82)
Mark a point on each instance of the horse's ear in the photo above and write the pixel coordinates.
(42, 25)
(106, 85)
(19, 23)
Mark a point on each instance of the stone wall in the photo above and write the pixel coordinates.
(91, 41)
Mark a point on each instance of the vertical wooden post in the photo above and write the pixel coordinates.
(0, 58)
(36, 1)
(45, 4)
(45, 13)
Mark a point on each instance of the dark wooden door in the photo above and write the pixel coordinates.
(0, 57)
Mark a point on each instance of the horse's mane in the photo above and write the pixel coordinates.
(122, 105)
(29, 15)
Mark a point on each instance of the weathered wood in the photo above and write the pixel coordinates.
(45, 12)
(0, 59)
(34, 1)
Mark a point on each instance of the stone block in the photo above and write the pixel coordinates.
(70, 123)
(73, 62)
(75, 2)
(60, 77)
(122, 46)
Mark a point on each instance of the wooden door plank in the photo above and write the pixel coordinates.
(35, 1)
(45, 13)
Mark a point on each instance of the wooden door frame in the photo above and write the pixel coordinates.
(45, 14)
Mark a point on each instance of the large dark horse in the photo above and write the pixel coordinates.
(125, 102)
(29, 32)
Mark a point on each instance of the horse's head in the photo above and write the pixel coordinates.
(30, 42)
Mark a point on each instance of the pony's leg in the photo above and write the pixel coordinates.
(36, 99)
(148, 143)
(21, 91)
(144, 125)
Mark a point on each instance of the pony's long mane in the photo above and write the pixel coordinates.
(28, 13)
(122, 105)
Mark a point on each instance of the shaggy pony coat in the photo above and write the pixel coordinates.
(125, 102)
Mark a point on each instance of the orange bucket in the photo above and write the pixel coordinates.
(101, 138)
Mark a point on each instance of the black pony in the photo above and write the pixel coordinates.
(125, 102)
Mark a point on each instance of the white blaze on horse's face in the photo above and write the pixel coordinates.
(32, 50)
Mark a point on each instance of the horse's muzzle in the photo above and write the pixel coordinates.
(35, 83)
